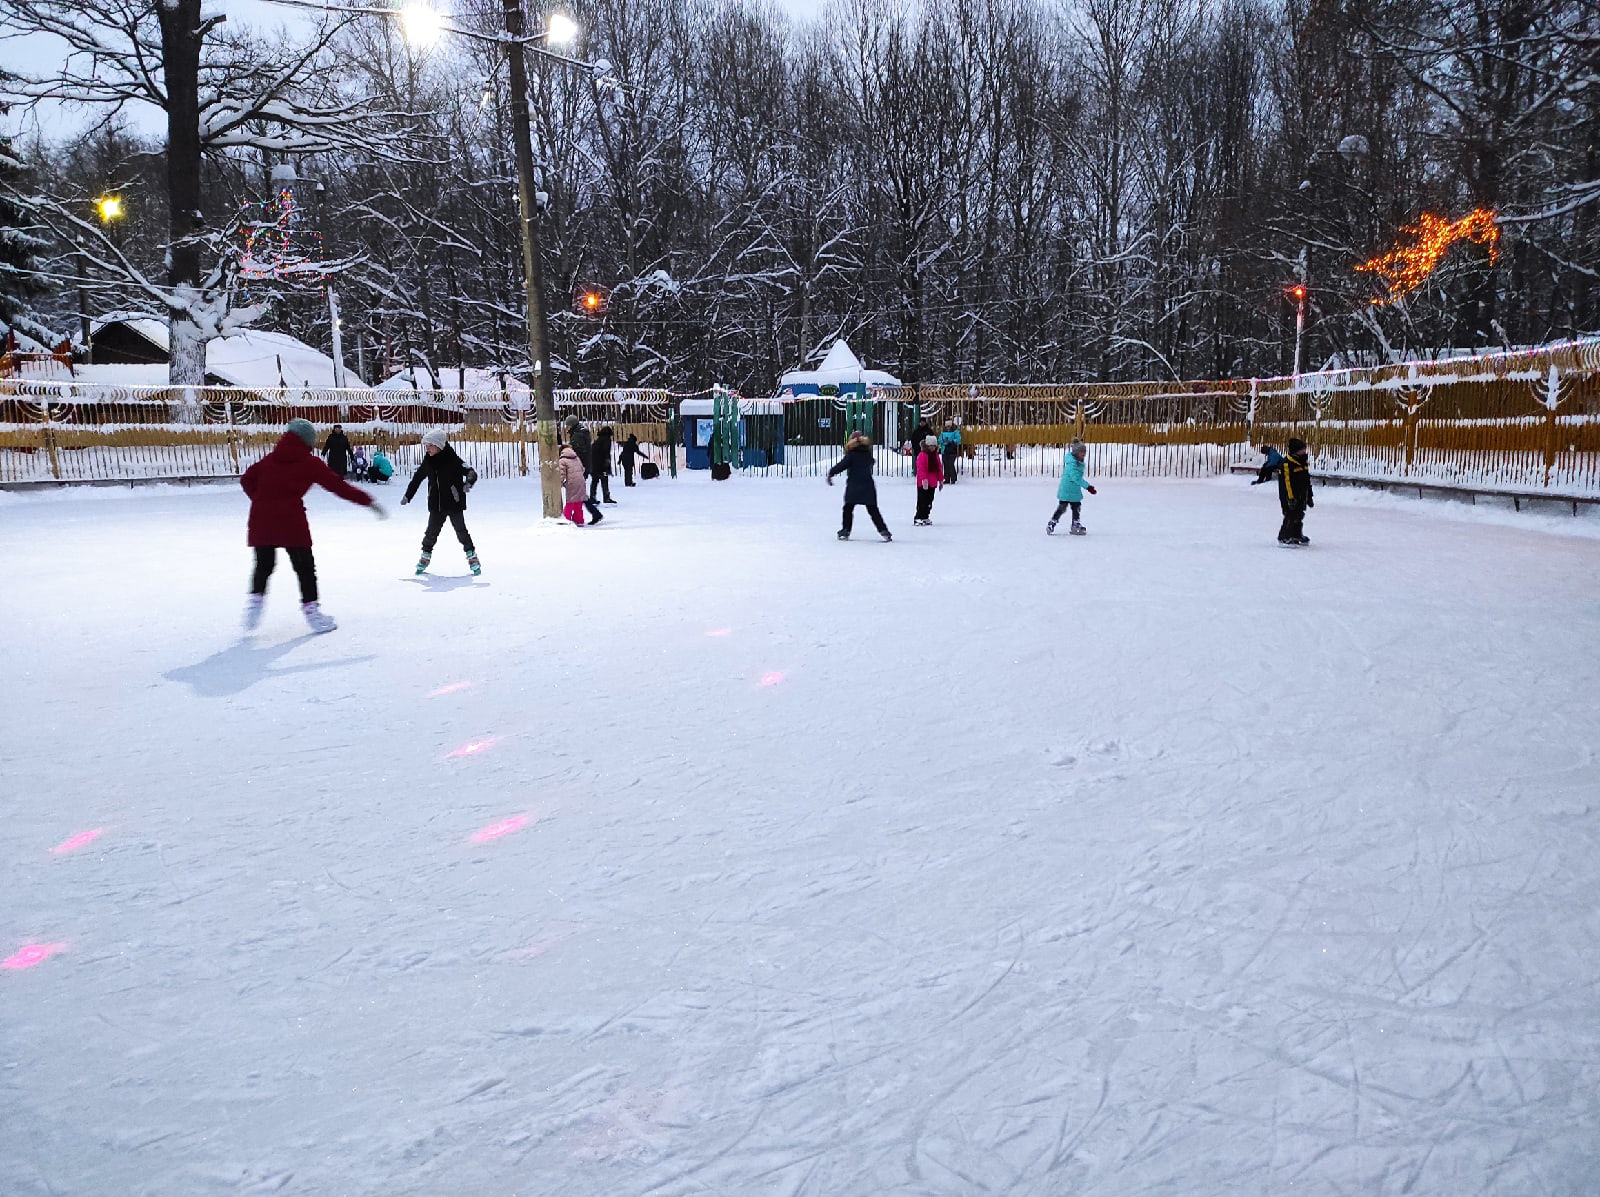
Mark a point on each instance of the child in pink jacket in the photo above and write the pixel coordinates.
(570, 468)
(930, 477)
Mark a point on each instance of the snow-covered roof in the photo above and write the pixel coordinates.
(840, 368)
(450, 379)
(747, 407)
(251, 357)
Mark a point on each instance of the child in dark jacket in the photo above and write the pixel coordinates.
(277, 486)
(859, 488)
(449, 479)
(1294, 488)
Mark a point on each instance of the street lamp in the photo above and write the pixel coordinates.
(1298, 294)
(423, 25)
(109, 208)
(560, 31)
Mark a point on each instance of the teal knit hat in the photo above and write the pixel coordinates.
(304, 430)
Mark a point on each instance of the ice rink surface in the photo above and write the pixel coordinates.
(699, 853)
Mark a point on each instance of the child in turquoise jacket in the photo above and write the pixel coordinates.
(1070, 492)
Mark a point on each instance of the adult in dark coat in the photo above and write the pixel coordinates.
(277, 486)
(448, 480)
(600, 464)
(583, 446)
(337, 450)
(859, 487)
(629, 455)
(923, 431)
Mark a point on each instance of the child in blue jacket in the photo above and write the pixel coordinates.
(1070, 492)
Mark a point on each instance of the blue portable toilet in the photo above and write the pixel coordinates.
(760, 432)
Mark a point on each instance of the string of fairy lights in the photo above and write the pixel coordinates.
(1406, 267)
(280, 245)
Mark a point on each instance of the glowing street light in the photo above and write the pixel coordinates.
(1298, 294)
(561, 31)
(421, 23)
(109, 207)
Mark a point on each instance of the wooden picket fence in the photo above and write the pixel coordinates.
(1527, 420)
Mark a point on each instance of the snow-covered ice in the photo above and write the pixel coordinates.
(700, 853)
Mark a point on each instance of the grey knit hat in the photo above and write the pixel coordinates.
(573, 421)
(305, 431)
(436, 436)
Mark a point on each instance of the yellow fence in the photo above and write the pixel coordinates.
(1526, 420)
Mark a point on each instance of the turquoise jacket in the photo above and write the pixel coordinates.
(946, 439)
(1072, 483)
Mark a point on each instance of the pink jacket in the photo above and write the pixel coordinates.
(930, 470)
(572, 476)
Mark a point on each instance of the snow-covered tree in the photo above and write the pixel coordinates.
(222, 93)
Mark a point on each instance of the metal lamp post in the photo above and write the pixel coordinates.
(423, 25)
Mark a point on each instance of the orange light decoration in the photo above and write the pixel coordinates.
(1406, 267)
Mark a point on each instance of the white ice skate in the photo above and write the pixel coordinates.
(252, 611)
(1078, 529)
(318, 620)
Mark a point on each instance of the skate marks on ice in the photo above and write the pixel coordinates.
(235, 669)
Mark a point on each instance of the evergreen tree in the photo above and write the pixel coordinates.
(20, 243)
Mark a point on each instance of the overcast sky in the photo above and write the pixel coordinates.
(56, 122)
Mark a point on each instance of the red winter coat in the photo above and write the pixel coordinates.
(276, 485)
(930, 470)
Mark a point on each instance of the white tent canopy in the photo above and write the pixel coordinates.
(841, 368)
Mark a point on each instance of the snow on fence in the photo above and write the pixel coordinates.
(1527, 420)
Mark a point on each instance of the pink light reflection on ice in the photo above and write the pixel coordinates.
(471, 748)
(30, 954)
(495, 830)
(772, 678)
(74, 842)
(720, 632)
(452, 688)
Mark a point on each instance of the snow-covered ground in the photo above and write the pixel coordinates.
(700, 853)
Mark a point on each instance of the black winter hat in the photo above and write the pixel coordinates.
(1296, 445)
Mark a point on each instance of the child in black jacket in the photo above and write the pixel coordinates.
(1294, 489)
(449, 479)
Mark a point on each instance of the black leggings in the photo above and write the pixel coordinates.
(458, 521)
(872, 510)
(305, 568)
(1061, 510)
(602, 483)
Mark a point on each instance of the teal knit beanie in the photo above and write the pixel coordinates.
(304, 430)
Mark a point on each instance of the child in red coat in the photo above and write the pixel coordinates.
(277, 485)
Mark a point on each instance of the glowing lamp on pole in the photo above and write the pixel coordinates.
(421, 23)
(1298, 294)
